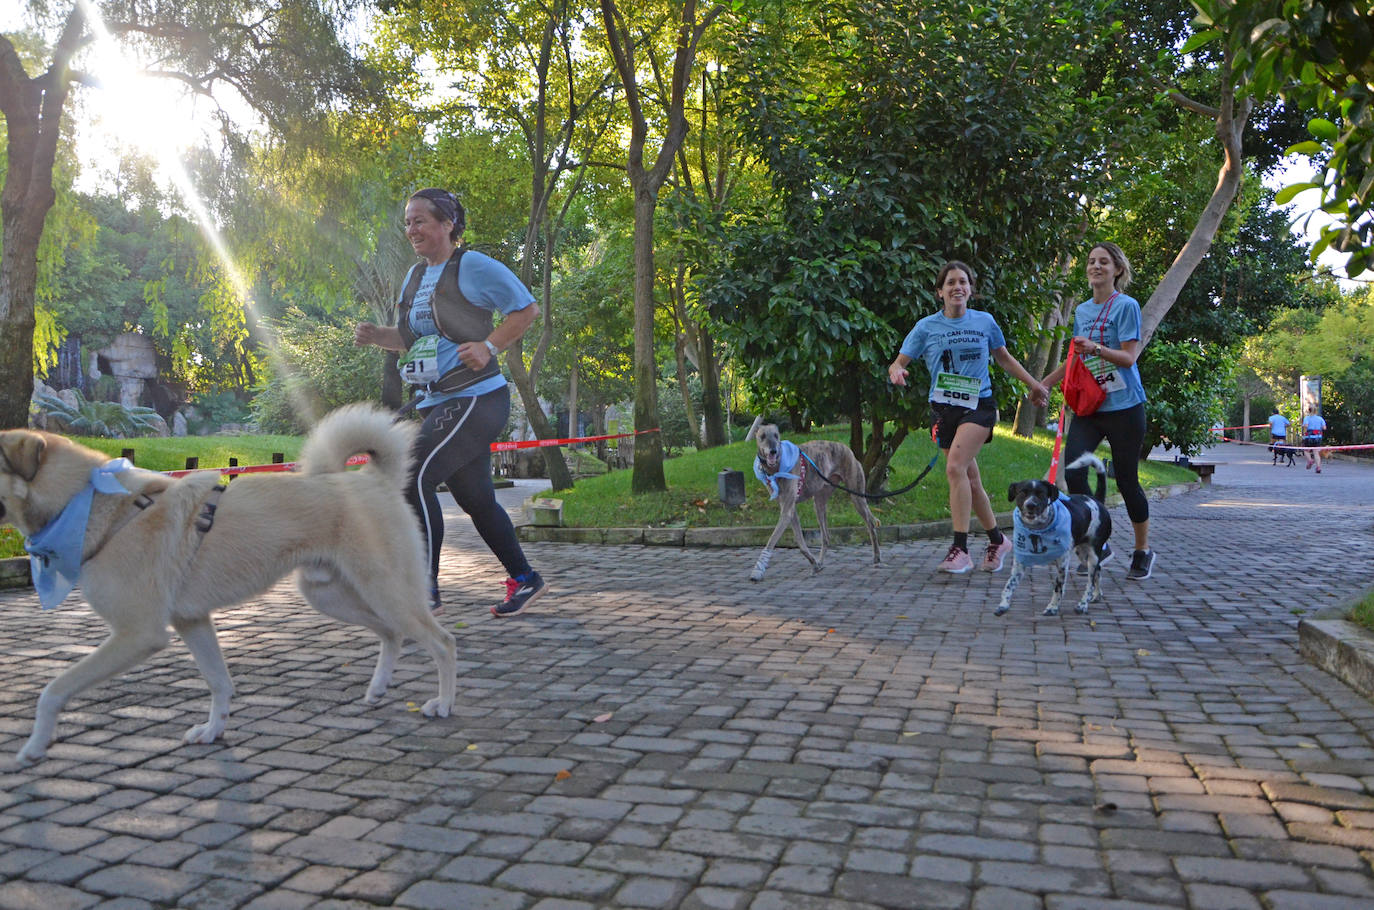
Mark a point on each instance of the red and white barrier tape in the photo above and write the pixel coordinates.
(362, 459)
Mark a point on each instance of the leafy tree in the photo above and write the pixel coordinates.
(1317, 54)
(630, 33)
(282, 57)
(893, 144)
(525, 67)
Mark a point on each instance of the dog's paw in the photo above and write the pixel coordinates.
(204, 733)
(372, 697)
(756, 575)
(1051, 611)
(436, 707)
(30, 755)
(1001, 609)
(1081, 608)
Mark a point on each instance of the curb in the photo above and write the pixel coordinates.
(14, 573)
(757, 535)
(1341, 648)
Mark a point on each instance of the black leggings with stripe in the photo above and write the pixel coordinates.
(1125, 431)
(454, 447)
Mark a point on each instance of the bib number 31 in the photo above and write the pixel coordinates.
(420, 365)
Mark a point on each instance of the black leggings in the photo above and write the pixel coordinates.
(1125, 430)
(454, 447)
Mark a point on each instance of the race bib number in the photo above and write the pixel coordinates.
(1108, 375)
(961, 391)
(420, 365)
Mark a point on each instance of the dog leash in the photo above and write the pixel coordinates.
(1053, 476)
(821, 474)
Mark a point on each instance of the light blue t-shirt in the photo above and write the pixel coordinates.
(1278, 425)
(1110, 324)
(486, 283)
(1313, 425)
(963, 346)
(1041, 546)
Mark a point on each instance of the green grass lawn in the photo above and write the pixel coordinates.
(170, 453)
(692, 499)
(1362, 613)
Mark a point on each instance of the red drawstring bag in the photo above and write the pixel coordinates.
(1081, 391)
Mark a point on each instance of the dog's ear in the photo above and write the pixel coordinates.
(1053, 493)
(1014, 490)
(23, 452)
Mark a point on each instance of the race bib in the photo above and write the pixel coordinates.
(961, 391)
(1108, 375)
(420, 365)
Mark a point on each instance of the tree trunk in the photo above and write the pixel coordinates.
(684, 389)
(647, 476)
(393, 393)
(33, 120)
(1046, 352)
(560, 478)
(572, 401)
(716, 428)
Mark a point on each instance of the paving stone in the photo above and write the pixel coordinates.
(648, 891)
(147, 882)
(543, 878)
(448, 895)
(16, 895)
(898, 891)
(716, 899)
(1222, 897)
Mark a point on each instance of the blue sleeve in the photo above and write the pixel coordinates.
(1128, 321)
(489, 284)
(995, 337)
(915, 344)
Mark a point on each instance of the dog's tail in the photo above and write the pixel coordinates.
(360, 429)
(1088, 459)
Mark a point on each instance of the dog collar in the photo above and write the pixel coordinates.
(55, 551)
(789, 454)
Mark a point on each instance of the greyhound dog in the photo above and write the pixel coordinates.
(796, 473)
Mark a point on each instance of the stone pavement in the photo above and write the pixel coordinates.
(659, 732)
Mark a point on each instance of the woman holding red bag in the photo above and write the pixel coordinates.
(1106, 335)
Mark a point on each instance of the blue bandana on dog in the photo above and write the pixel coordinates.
(788, 456)
(1042, 546)
(55, 551)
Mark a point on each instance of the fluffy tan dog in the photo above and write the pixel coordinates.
(170, 552)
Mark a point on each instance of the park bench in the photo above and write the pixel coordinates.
(1203, 469)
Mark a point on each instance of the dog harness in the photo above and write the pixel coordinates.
(789, 458)
(55, 551)
(1042, 546)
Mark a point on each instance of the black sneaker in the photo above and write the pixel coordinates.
(519, 595)
(1107, 555)
(1142, 564)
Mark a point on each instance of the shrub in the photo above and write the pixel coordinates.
(318, 368)
(98, 418)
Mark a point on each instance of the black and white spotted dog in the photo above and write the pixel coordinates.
(1047, 525)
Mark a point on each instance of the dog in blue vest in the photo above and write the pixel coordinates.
(1048, 525)
(813, 470)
